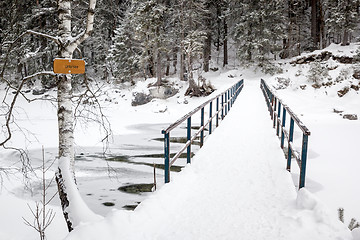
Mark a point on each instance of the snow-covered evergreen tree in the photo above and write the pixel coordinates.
(297, 30)
(342, 19)
(191, 16)
(125, 54)
(258, 30)
(147, 19)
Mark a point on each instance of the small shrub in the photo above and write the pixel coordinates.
(353, 223)
(317, 73)
(282, 83)
(344, 74)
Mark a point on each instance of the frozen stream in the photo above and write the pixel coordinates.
(129, 162)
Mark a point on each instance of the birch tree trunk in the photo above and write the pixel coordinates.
(74, 208)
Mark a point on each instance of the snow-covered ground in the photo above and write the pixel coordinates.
(332, 170)
(236, 188)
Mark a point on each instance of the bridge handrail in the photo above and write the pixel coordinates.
(189, 114)
(228, 97)
(274, 106)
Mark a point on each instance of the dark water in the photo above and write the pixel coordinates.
(123, 176)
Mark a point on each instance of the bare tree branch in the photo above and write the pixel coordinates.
(12, 44)
(12, 104)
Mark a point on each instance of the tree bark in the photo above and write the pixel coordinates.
(315, 23)
(225, 43)
(182, 58)
(158, 68)
(207, 52)
(77, 211)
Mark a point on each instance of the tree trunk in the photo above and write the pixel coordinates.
(65, 116)
(182, 58)
(345, 40)
(225, 43)
(315, 23)
(74, 208)
(158, 68)
(207, 51)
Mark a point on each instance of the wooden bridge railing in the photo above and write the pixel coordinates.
(227, 99)
(279, 119)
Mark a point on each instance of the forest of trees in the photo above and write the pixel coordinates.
(156, 38)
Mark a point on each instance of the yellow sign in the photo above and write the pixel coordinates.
(69, 66)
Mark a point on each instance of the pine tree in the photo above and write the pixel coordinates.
(147, 18)
(124, 56)
(342, 19)
(32, 53)
(258, 29)
(298, 37)
(191, 16)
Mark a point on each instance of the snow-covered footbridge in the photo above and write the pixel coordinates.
(237, 187)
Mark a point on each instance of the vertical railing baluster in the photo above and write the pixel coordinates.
(278, 119)
(274, 120)
(232, 96)
(283, 127)
(222, 106)
(202, 125)
(167, 156)
(226, 103)
(210, 116)
(188, 153)
(217, 111)
(272, 106)
(303, 161)
(291, 137)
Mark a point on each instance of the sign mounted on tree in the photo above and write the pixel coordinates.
(69, 66)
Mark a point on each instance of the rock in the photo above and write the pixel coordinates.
(355, 87)
(343, 91)
(303, 87)
(316, 85)
(343, 59)
(108, 204)
(38, 91)
(350, 116)
(140, 98)
(337, 111)
(163, 92)
(324, 56)
(356, 74)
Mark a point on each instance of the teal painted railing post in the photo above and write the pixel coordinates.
(274, 118)
(167, 156)
(283, 127)
(222, 106)
(226, 102)
(291, 137)
(202, 125)
(272, 106)
(210, 116)
(188, 153)
(278, 119)
(232, 96)
(217, 111)
(303, 161)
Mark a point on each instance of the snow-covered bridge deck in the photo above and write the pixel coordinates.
(236, 188)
